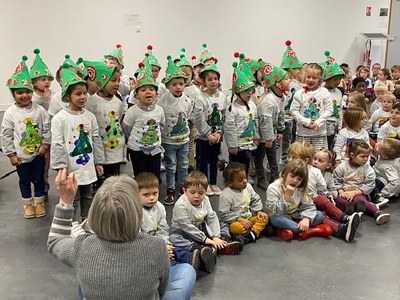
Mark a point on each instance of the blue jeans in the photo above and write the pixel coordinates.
(32, 172)
(286, 222)
(182, 279)
(176, 155)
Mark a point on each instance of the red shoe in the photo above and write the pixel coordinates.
(232, 248)
(317, 230)
(284, 234)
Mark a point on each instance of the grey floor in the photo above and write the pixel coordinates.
(317, 268)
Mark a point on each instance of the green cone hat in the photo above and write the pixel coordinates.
(196, 62)
(20, 79)
(118, 55)
(183, 60)
(206, 54)
(98, 72)
(240, 81)
(82, 69)
(151, 58)
(69, 78)
(243, 65)
(144, 76)
(39, 68)
(289, 58)
(271, 74)
(210, 67)
(331, 68)
(71, 63)
(173, 71)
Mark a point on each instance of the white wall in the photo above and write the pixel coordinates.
(259, 28)
(393, 55)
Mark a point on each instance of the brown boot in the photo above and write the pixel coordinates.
(29, 212)
(40, 209)
(320, 230)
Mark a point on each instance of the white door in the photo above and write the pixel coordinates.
(393, 54)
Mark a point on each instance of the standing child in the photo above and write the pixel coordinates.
(355, 180)
(311, 107)
(241, 121)
(116, 59)
(195, 224)
(355, 120)
(333, 75)
(384, 79)
(293, 66)
(288, 202)
(240, 206)
(155, 68)
(142, 126)
(271, 121)
(208, 118)
(381, 115)
(395, 70)
(391, 129)
(380, 91)
(108, 110)
(197, 66)
(175, 135)
(25, 132)
(76, 143)
(387, 170)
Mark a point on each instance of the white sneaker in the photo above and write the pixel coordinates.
(162, 167)
(209, 191)
(382, 201)
(76, 229)
(216, 190)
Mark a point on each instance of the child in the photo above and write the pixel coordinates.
(25, 132)
(175, 135)
(108, 110)
(76, 143)
(311, 107)
(154, 220)
(193, 93)
(375, 69)
(288, 201)
(240, 206)
(206, 56)
(387, 170)
(395, 70)
(381, 115)
(391, 129)
(195, 224)
(271, 120)
(359, 85)
(384, 79)
(142, 126)
(241, 121)
(355, 120)
(208, 118)
(344, 226)
(155, 68)
(357, 99)
(116, 59)
(325, 160)
(355, 179)
(197, 67)
(380, 91)
(333, 75)
(115, 218)
(292, 65)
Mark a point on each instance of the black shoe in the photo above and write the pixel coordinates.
(381, 217)
(251, 236)
(170, 198)
(190, 169)
(349, 208)
(354, 221)
(344, 218)
(359, 206)
(208, 259)
(196, 259)
(268, 231)
(241, 239)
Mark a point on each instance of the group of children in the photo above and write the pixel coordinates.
(339, 162)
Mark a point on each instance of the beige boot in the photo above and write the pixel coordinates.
(40, 209)
(29, 211)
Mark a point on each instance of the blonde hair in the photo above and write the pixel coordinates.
(147, 180)
(360, 99)
(116, 212)
(297, 167)
(391, 148)
(352, 117)
(196, 178)
(381, 89)
(302, 150)
(390, 96)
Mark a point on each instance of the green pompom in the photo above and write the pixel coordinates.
(204, 45)
(241, 56)
(183, 50)
(182, 55)
(327, 53)
(169, 57)
(235, 64)
(24, 58)
(67, 56)
(36, 51)
(80, 59)
(65, 66)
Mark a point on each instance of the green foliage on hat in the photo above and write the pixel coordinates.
(272, 74)
(39, 68)
(330, 67)
(173, 71)
(20, 79)
(289, 58)
(240, 80)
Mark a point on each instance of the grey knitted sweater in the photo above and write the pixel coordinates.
(138, 269)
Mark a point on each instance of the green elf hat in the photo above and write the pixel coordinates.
(69, 78)
(205, 54)
(98, 72)
(272, 74)
(210, 67)
(20, 79)
(173, 71)
(151, 58)
(178, 59)
(289, 58)
(39, 68)
(82, 69)
(243, 65)
(71, 63)
(144, 77)
(183, 60)
(254, 65)
(331, 68)
(117, 54)
(240, 80)
(196, 62)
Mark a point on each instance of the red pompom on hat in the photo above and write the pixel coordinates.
(236, 54)
(288, 43)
